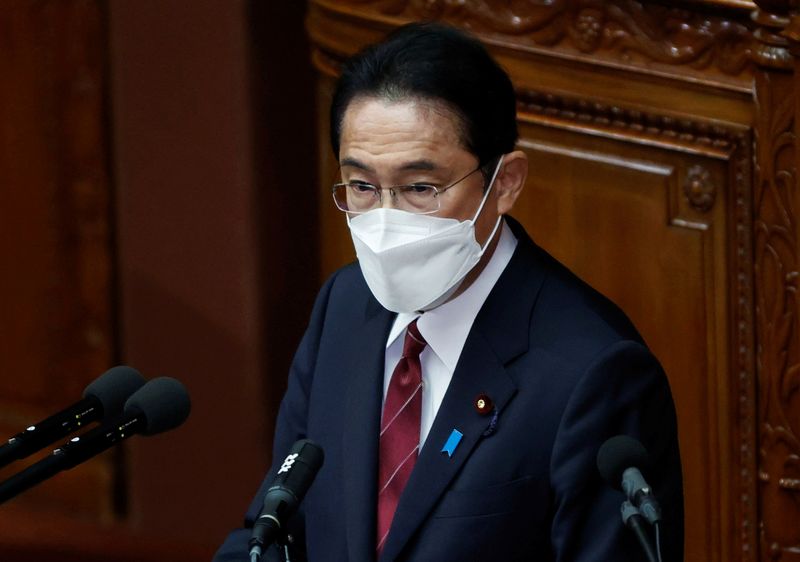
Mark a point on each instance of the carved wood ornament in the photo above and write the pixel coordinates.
(776, 266)
(622, 31)
(700, 189)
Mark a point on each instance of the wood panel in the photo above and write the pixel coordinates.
(776, 266)
(619, 215)
(56, 329)
(207, 217)
(213, 132)
(31, 536)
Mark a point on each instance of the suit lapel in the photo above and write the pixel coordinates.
(364, 367)
(500, 333)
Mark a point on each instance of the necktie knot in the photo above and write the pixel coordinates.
(414, 342)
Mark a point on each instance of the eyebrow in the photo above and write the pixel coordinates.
(352, 162)
(424, 165)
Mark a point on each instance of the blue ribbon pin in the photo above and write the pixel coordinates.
(452, 442)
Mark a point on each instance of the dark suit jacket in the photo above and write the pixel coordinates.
(566, 370)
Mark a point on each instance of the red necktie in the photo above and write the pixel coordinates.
(399, 441)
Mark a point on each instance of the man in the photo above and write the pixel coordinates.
(459, 380)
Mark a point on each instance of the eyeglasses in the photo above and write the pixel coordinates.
(357, 197)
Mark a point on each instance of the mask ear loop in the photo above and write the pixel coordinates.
(483, 202)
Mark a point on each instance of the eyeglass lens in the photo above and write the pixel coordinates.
(360, 198)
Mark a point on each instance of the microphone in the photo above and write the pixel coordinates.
(160, 405)
(618, 461)
(102, 398)
(291, 483)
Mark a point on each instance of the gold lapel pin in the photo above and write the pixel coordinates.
(484, 404)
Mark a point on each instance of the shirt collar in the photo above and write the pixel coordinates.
(447, 326)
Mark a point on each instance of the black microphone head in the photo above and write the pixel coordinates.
(114, 387)
(617, 455)
(300, 467)
(292, 480)
(309, 452)
(164, 403)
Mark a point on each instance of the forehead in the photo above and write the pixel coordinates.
(410, 129)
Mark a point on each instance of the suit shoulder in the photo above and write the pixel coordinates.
(345, 296)
(346, 282)
(573, 317)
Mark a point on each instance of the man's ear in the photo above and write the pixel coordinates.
(510, 180)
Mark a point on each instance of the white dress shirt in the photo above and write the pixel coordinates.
(445, 328)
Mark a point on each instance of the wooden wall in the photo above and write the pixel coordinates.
(662, 142)
(215, 277)
(144, 183)
(56, 313)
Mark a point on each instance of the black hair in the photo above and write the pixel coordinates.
(432, 61)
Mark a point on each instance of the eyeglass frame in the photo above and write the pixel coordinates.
(378, 192)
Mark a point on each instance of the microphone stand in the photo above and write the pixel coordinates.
(30, 477)
(285, 540)
(282, 541)
(633, 519)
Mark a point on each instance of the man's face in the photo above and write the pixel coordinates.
(387, 143)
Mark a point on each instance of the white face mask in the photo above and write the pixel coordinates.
(416, 262)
